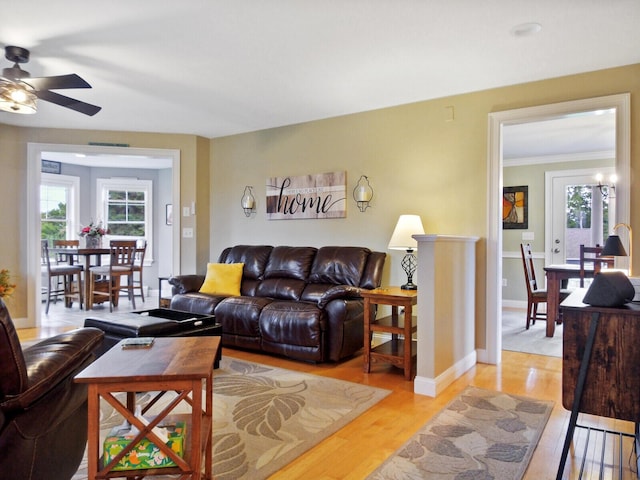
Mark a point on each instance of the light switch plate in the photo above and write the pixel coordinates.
(186, 211)
(528, 235)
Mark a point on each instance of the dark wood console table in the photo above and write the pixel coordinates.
(601, 364)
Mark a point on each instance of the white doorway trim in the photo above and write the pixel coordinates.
(621, 102)
(34, 155)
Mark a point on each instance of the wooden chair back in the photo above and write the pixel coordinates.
(592, 256)
(529, 270)
(44, 252)
(63, 257)
(141, 250)
(123, 253)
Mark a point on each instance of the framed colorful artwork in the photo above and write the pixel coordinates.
(515, 206)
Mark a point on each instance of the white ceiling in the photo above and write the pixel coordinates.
(215, 68)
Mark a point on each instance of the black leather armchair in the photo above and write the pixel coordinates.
(43, 413)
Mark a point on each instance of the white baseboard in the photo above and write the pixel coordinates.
(515, 304)
(22, 322)
(482, 355)
(434, 386)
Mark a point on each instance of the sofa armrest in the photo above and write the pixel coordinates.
(186, 283)
(51, 361)
(339, 291)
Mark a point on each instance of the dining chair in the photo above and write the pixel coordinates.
(138, 265)
(121, 260)
(593, 256)
(64, 272)
(535, 294)
(62, 257)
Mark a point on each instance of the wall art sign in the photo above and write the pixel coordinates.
(49, 166)
(515, 205)
(307, 196)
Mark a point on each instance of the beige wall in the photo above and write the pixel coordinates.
(417, 161)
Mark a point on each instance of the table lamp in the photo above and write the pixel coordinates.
(402, 239)
(613, 246)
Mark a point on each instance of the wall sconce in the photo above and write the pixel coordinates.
(605, 189)
(402, 239)
(613, 246)
(248, 201)
(363, 193)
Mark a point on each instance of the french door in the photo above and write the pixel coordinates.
(577, 212)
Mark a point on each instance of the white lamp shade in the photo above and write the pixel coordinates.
(407, 226)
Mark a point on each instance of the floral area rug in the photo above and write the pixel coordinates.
(266, 417)
(480, 435)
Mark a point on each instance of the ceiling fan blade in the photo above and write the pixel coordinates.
(57, 82)
(67, 102)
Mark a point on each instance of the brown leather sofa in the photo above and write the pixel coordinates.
(300, 302)
(43, 413)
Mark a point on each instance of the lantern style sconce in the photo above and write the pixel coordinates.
(363, 193)
(248, 201)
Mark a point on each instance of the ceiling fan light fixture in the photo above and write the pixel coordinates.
(15, 99)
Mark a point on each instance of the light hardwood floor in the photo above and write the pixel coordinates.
(357, 449)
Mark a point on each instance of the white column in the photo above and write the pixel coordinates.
(446, 310)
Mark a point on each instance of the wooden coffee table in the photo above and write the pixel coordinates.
(183, 365)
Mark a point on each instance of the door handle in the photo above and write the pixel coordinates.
(556, 250)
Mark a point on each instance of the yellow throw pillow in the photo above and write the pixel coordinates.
(223, 279)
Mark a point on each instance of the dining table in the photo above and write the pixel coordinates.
(556, 274)
(83, 256)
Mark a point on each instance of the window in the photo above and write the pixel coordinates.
(59, 207)
(125, 206)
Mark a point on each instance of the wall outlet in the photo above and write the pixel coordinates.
(187, 233)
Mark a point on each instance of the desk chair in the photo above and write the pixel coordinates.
(121, 257)
(592, 255)
(535, 295)
(65, 272)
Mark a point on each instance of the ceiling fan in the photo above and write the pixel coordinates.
(18, 90)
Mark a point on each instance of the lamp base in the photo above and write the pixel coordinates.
(409, 286)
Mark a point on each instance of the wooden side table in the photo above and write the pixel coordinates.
(398, 351)
(163, 302)
(180, 364)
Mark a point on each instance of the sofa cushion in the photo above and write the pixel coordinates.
(372, 274)
(281, 288)
(222, 279)
(339, 265)
(293, 329)
(290, 262)
(240, 315)
(254, 257)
